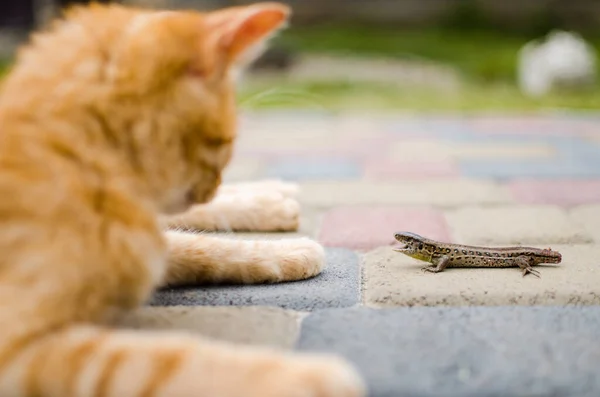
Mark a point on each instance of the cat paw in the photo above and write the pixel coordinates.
(287, 189)
(298, 258)
(317, 376)
(265, 212)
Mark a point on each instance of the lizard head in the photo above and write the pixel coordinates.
(414, 245)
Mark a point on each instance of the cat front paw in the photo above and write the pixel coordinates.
(264, 212)
(298, 258)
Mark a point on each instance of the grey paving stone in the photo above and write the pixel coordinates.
(470, 351)
(336, 286)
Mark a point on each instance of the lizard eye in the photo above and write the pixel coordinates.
(421, 246)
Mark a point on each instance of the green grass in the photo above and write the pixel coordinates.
(486, 61)
(337, 96)
(481, 55)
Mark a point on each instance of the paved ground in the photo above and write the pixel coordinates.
(477, 180)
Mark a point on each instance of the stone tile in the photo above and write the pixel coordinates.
(418, 150)
(469, 149)
(438, 193)
(393, 279)
(336, 286)
(313, 169)
(514, 225)
(466, 352)
(501, 150)
(535, 125)
(588, 217)
(559, 192)
(369, 227)
(265, 326)
(395, 170)
(243, 169)
(528, 169)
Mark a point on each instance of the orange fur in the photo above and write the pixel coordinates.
(109, 118)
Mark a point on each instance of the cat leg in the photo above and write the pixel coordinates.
(200, 259)
(54, 339)
(80, 360)
(244, 209)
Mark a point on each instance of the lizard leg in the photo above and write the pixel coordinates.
(525, 264)
(438, 265)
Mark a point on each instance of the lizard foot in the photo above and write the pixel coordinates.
(532, 271)
(431, 269)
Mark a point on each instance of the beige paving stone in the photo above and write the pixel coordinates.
(255, 325)
(242, 169)
(588, 216)
(419, 150)
(287, 136)
(393, 279)
(442, 193)
(515, 225)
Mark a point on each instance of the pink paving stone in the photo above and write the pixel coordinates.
(393, 170)
(365, 228)
(558, 192)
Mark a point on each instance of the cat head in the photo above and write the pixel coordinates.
(182, 66)
(158, 84)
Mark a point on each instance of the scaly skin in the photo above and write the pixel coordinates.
(443, 255)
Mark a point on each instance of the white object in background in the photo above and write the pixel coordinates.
(563, 59)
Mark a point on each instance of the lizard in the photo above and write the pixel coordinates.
(444, 255)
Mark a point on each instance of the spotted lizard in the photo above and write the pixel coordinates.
(444, 255)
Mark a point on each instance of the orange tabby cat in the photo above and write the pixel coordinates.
(113, 116)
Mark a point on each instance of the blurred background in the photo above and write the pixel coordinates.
(403, 55)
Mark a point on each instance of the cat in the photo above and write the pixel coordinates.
(108, 118)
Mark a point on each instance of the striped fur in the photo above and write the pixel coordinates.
(110, 117)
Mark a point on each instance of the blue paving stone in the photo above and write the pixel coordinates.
(464, 352)
(557, 168)
(313, 169)
(337, 286)
(580, 150)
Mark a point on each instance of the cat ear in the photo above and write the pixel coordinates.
(239, 34)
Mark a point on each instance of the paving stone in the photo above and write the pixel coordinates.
(528, 169)
(420, 150)
(336, 286)
(466, 352)
(515, 225)
(243, 169)
(393, 279)
(369, 227)
(446, 193)
(265, 326)
(559, 192)
(396, 170)
(588, 217)
(537, 125)
(313, 169)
